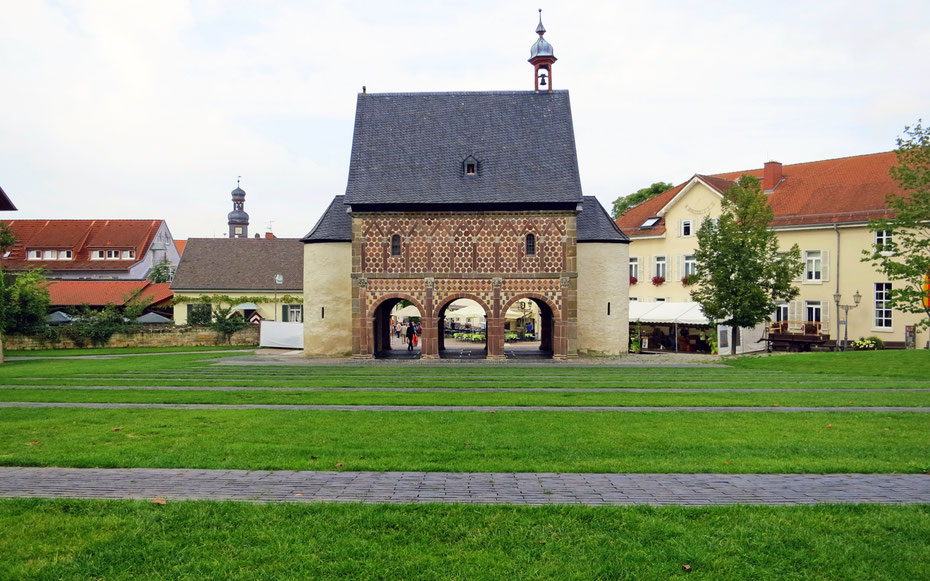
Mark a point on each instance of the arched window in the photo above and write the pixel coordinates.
(395, 245)
(530, 244)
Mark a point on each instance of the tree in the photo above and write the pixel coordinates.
(161, 272)
(902, 253)
(624, 203)
(741, 273)
(7, 240)
(227, 323)
(24, 301)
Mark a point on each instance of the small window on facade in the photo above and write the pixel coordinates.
(322, 312)
(608, 309)
(686, 229)
(238, 230)
(50, 255)
(690, 265)
(882, 310)
(813, 265)
(127, 254)
(530, 245)
(470, 166)
(634, 267)
(112, 254)
(471, 169)
(35, 255)
(395, 245)
(660, 267)
(97, 255)
(883, 241)
(64, 255)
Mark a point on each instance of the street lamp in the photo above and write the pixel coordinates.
(845, 320)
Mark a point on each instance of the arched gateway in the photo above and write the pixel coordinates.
(465, 195)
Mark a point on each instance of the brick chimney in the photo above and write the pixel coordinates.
(269, 235)
(771, 175)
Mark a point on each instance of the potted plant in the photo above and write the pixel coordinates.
(658, 280)
(811, 328)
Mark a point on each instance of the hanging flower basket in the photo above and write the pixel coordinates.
(658, 280)
(633, 280)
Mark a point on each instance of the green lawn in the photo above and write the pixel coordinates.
(41, 539)
(484, 398)
(748, 442)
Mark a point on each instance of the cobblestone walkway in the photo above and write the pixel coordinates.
(450, 408)
(472, 488)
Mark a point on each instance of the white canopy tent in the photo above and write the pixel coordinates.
(408, 311)
(668, 312)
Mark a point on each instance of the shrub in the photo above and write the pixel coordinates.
(868, 344)
(226, 323)
(200, 314)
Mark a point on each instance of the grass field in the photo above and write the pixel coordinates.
(203, 540)
(119, 351)
(45, 539)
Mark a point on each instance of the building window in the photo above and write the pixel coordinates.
(395, 245)
(781, 312)
(35, 255)
(471, 168)
(813, 311)
(97, 255)
(690, 265)
(660, 299)
(292, 313)
(813, 270)
(634, 299)
(882, 310)
(238, 230)
(634, 267)
(687, 228)
(608, 309)
(660, 267)
(883, 240)
(128, 254)
(112, 254)
(50, 255)
(64, 255)
(530, 245)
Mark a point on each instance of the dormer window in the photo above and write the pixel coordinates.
(470, 167)
(395, 245)
(531, 245)
(129, 254)
(35, 255)
(649, 223)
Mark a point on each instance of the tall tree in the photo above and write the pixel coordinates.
(624, 203)
(7, 240)
(902, 251)
(741, 272)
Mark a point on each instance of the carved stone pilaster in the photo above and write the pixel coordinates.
(497, 282)
(429, 282)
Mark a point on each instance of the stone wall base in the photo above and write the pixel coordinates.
(171, 337)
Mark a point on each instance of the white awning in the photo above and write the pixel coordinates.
(466, 312)
(245, 307)
(668, 312)
(408, 311)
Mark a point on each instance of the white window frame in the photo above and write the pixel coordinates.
(634, 267)
(881, 319)
(97, 254)
(690, 265)
(295, 313)
(810, 308)
(883, 238)
(813, 266)
(64, 255)
(34, 255)
(661, 267)
(49, 255)
(781, 312)
(686, 229)
(112, 254)
(128, 254)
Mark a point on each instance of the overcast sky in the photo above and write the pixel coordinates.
(151, 109)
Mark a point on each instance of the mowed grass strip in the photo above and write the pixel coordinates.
(826, 442)
(471, 398)
(122, 350)
(73, 539)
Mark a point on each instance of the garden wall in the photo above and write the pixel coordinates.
(159, 337)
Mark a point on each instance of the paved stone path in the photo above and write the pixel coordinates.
(447, 408)
(481, 389)
(472, 488)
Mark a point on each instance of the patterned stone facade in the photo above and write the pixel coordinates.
(438, 257)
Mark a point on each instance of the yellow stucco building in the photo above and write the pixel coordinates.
(823, 207)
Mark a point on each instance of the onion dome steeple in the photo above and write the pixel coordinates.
(541, 57)
(238, 219)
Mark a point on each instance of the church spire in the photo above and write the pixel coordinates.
(238, 220)
(542, 57)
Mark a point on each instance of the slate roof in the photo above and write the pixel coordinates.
(81, 237)
(240, 264)
(832, 191)
(408, 148)
(102, 292)
(596, 225)
(5, 204)
(334, 226)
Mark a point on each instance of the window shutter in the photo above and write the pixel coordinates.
(800, 277)
(825, 307)
(825, 265)
(679, 229)
(283, 313)
(794, 308)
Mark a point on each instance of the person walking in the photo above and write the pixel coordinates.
(410, 333)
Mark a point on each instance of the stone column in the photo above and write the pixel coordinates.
(495, 332)
(430, 347)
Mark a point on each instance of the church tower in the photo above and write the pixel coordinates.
(238, 219)
(542, 57)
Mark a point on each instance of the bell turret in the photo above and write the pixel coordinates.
(238, 219)
(542, 57)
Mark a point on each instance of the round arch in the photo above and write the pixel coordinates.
(551, 332)
(378, 323)
(438, 320)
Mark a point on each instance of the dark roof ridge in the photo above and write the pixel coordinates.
(415, 93)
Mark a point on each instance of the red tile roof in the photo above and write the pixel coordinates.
(180, 244)
(848, 189)
(81, 237)
(102, 292)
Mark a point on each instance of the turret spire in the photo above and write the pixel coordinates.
(542, 57)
